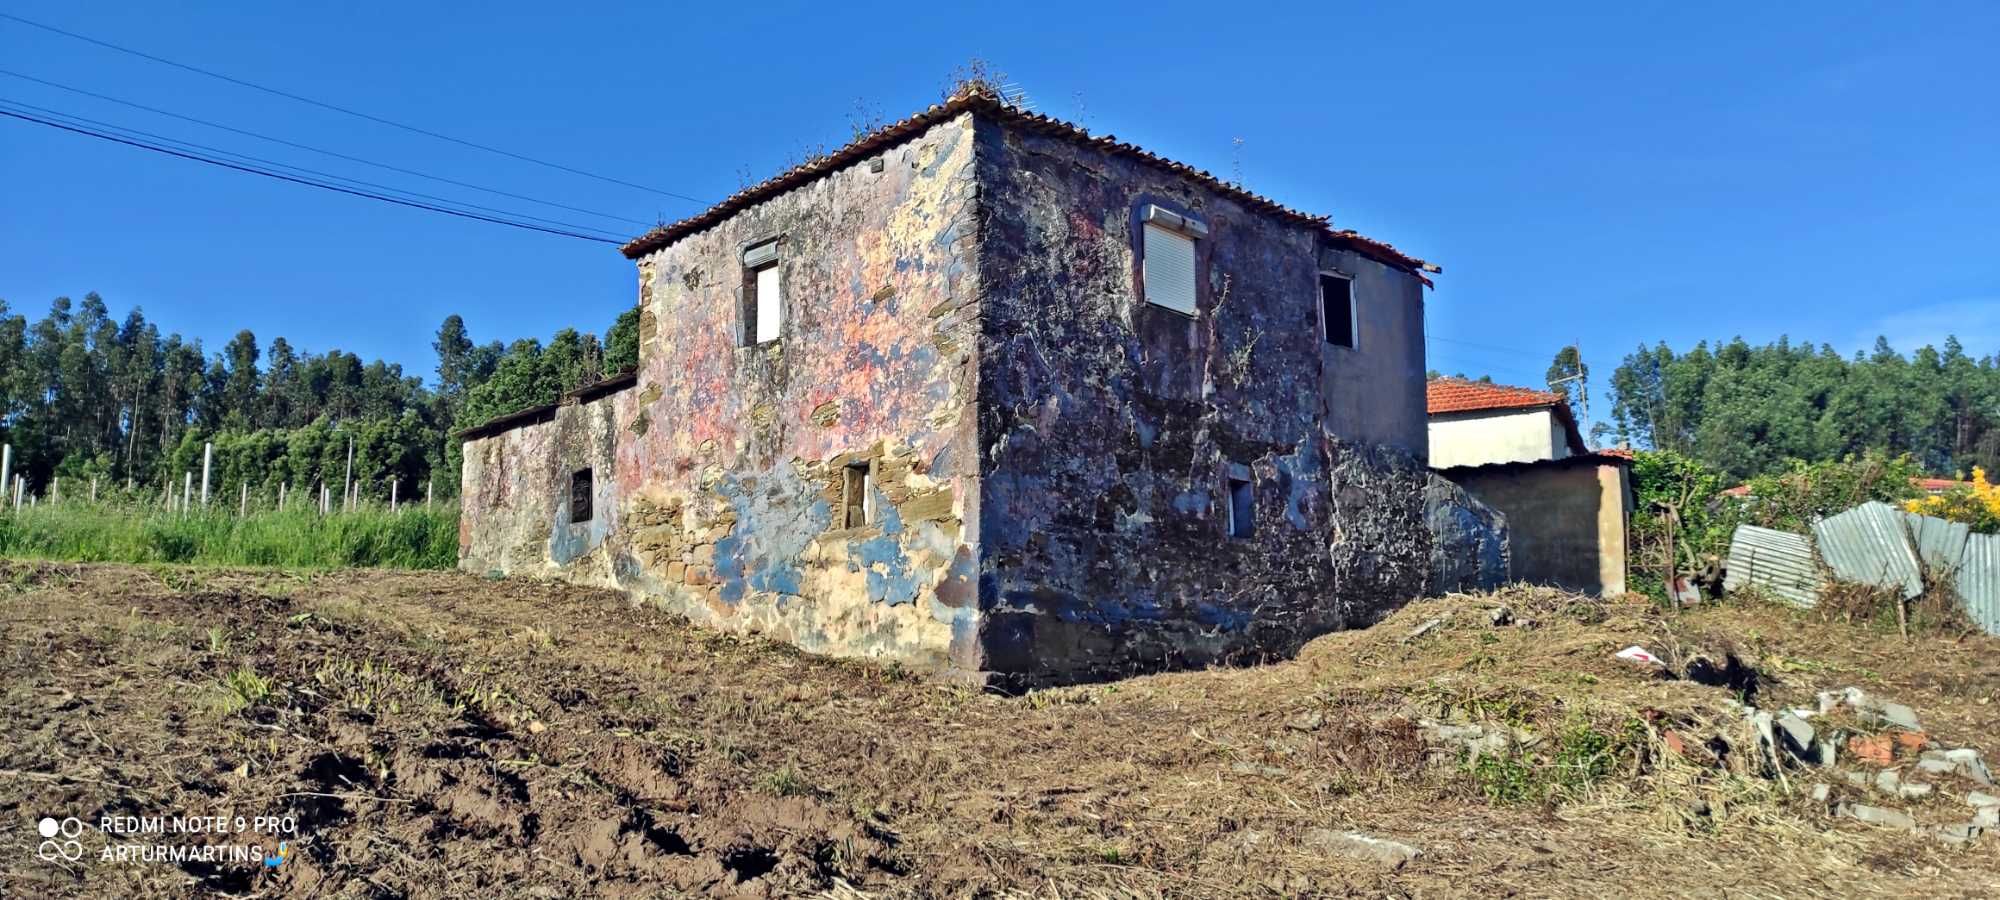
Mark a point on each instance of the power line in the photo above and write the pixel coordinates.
(1514, 350)
(128, 132)
(344, 110)
(309, 148)
(253, 170)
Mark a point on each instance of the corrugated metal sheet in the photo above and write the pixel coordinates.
(1870, 544)
(1939, 542)
(1978, 581)
(1873, 543)
(1777, 562)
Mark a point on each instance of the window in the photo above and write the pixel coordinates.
(1167, 258)
(857, 502)
(763, 295)
(1336, 309)
(1242, 508)
(579, 496)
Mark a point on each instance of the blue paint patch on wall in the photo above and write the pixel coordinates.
(777, 517)
(890, 579)
(1221, 617)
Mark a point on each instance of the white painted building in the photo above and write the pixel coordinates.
(1518, 451)
(1475, 424)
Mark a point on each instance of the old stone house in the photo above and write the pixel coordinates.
(1519, 451)
(988, 395)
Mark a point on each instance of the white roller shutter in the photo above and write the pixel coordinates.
(770, 305)
(1169, 269)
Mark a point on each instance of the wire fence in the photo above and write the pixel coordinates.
(311, 527)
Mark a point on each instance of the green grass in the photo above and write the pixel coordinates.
(412, 538)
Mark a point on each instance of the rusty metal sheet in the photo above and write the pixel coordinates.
(1870, 544)
(1778, 562)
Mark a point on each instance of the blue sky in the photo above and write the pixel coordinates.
(1609, 173)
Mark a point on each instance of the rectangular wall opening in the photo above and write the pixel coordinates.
(857, 504)
(763, 295)
(1242, 508)
(1336, 310)
(581, 490)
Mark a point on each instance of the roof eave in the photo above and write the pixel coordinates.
(980, 100)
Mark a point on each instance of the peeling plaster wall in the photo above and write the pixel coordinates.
(1108, 428)
(724, 465)
(514, 495)
(1048, 456)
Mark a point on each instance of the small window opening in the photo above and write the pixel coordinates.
(763, 295)
(1242, 508)
(1336, 310)
(857, 502)
(580, 491)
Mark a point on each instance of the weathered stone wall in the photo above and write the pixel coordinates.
(1469, 543)
(514, 495)
(1048, 455)
(1108, 427)
(731, 467)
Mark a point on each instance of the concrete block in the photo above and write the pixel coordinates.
(1365, 848)
(1879, 815)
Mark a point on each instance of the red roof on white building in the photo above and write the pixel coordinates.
(1450, 395)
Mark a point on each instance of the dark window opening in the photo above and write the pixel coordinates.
(1242, 508)
(856, 506)
(1336, 310)
(580, 492)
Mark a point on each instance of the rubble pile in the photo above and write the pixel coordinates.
(1861, 756)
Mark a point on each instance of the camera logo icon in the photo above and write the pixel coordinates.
(69, 830)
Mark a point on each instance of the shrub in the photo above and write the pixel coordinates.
(1977, 505)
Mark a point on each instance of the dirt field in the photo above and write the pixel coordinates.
(435, 735)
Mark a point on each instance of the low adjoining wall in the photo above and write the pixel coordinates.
(1566, 519)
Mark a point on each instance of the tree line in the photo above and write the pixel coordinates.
(1749, 410)
(84, 396)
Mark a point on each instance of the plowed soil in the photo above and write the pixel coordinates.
(434, 735)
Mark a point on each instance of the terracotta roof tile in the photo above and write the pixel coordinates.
(1449, 395)
(980, 99)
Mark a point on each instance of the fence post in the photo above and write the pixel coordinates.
(18, 488)
(7, 466)
(187, 491)
(93, 489)
(392, 494)
(243, 503)
(427, 493)
(281, 496)
(347, 479)
(207, 457)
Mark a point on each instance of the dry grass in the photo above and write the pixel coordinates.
(525, 739)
